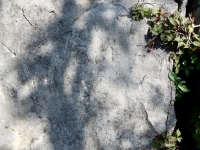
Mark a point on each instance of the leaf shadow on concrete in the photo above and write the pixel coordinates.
(64, 81)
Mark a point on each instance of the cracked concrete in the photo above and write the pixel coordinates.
(75, 74)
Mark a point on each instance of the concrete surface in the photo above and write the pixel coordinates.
(75, 75)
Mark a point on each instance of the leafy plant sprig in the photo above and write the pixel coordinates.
(177, 33)
(196, 121)
(186, 61)
(139, 12)
(167, 142)
(180, 87)
(169, 29)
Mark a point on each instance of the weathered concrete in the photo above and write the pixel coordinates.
(76, 75)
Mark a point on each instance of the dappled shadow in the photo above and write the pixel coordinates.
(49, 99)
(62, 77)
(65, 63)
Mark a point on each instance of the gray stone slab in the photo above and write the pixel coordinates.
(76, 75)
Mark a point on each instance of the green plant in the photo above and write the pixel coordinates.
(139, 12)
(186, 61)
(196, 121)
(180, 87)
(177, 33)
(167, 142)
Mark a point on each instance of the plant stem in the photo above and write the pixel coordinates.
(196, 26)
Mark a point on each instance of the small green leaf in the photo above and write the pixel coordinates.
(163, 37)
(142, 14)
(178, 95)
(180, 52)
(155, 10)
(156, 145)
(154, 141)
(190, 67)
(160, 28)
(198, 66)
(176, 59)
(162, 18)
(155, 27)
(190, 29)
(196, 43)
(169, 37)
(153, 19)
(184, 62)
(184, 38)
(177, 13)
(168, 31)
(166, 25)
(178, 21)
(134, 13)
(186, 46)
(178, 133)
(181, 44)
(162, 144)
(171, 138)
(154, 32)
(185, 20)
(172, 21)
(164, 133)
(182, 82)
(146, 10)
(178, 38)
(171, 145)
(195, 61)
(172, 54)
(178, 79)
(183, 88)
(177, 70)
(187, 72)
(179, 139)
(194, 58)
(166, 141)
(172, 76)
(196, 36)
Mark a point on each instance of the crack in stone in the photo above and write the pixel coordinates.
(147, 119)
(171, 97)
(26, 18)
(122, 6)
(8, 49)
(76, 18)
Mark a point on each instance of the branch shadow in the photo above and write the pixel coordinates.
(64, 75)
(63, 100)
